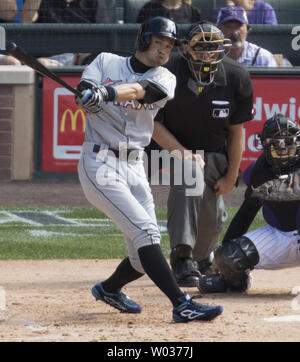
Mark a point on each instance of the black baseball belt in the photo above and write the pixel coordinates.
(123, 155)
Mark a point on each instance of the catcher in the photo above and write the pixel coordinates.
(273, 185)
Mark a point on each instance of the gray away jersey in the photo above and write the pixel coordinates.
(129, 123)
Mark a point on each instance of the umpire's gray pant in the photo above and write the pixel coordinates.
(196, 215)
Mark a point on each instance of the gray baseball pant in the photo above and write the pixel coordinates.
(121, 190)
(196, 215)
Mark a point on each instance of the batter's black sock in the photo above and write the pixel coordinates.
(123, 275)
(158, 270)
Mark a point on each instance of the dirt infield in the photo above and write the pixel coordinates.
(50, 300)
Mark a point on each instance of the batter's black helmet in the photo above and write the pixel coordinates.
(155, 26)
(280, 140)
(204, 48)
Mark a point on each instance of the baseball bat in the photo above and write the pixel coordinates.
(17, 52)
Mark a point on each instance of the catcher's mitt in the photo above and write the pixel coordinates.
(284, 188)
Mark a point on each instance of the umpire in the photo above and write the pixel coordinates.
(213, 98)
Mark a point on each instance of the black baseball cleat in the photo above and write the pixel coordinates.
(185, 272)
(189, 311)
(212, 283)
(189, 281)
(117, 300)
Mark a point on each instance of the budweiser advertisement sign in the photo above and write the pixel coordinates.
(64, 123)
(272, 95)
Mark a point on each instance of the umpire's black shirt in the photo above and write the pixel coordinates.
(199, 120)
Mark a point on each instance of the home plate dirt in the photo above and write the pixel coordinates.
(51, 301)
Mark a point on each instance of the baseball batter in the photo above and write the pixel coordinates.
(276, 245)
(121, 96)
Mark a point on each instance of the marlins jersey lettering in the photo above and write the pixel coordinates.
(129, 123)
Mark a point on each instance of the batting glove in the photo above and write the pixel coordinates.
(90, 100)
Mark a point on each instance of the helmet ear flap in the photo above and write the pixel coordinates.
(141, 41)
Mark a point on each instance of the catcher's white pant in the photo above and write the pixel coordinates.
(277, 249)
(121, 190)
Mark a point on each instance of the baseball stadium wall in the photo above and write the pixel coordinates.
(22, 91)
(17, 104)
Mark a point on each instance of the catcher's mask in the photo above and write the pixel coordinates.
(155, 26)
(280, 140)
(204, 48)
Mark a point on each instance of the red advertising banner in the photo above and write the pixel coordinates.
(64, 122)
(272, 95)
(63, 126)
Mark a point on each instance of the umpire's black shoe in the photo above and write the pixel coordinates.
(185, 272)
(205, 266)
(212, 283)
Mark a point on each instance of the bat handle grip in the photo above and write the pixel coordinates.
(87, 93)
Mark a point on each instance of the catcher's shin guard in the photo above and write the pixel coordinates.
(183, 266)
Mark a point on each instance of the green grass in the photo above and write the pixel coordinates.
(90, 236)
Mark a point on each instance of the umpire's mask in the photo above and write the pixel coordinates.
(204, 48)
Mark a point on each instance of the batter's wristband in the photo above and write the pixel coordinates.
(111, 93)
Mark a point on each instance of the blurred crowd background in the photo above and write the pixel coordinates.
(135, 11)
(273, 15)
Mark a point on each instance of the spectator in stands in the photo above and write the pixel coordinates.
(19, 4)
(29, 11)
(8, 11)
(24, 11)
(282, 60)
(66, 59)
(258, 12)
(73, 11)
(60, 11)
(19, 11)
(233, 22)
(180, 11)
